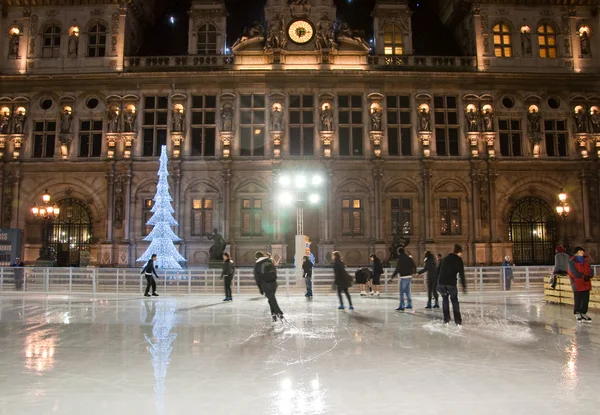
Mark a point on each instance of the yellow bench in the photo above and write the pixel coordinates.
(563, 294)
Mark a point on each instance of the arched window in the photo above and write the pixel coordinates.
(392, 40)
(51, 42)
(502, 41)
(71, 232)
(547, 40)
(97, 41)
(532, 230)
(207, 40)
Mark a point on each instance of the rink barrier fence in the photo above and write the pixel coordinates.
(207, 281)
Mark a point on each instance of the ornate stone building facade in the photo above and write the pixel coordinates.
(471, 149)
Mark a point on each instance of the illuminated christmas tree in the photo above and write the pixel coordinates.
(162, 236)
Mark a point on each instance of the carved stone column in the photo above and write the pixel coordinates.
(326, 244)
(110, 181)
(226, 177)
(475, 222)
(492, 175)
(16, 198)
(177, 193)
(377, 175)
(426, 174)
(127, 205)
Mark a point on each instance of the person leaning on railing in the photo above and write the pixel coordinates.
(561, 265)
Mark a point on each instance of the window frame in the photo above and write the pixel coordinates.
(54, 39)
(395, 42)
(252, 211)
(253, 126)
(544, 35)
(510, 134)
(203, 210)
(400, 211)
(556, 135)
(98, 47)
(453, 212)
(92, 134)
(44, 135)
(301, 125)
(446, 126)
(203, 127)
(155, 128)
(351, 126)
(501, 31)
(396, 112)
(146, 215)
(351, 210)
(203, 44)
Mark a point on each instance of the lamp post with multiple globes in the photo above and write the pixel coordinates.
(563, 209)
(46, 212)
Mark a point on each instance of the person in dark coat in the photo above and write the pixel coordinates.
(265, 275)
(19, 273)
(342, 279)
(430, 267)
(227, 273)
(581, 274)
(507, 272)
(149, 272)
(307, 267)
(405, 269)
(451, 266)
(561, 266)
(377, 273)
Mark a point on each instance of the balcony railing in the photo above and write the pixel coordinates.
(158, 63)
(435, 63)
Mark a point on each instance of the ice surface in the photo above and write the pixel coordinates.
(197, 355)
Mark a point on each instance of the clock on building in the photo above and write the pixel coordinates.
(301, 31)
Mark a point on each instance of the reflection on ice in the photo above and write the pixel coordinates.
(39, 350)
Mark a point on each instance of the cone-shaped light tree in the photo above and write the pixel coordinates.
(162, 236)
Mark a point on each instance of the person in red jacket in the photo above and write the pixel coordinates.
(581, 274)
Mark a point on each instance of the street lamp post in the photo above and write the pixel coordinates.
(563, 209)
(46, 212)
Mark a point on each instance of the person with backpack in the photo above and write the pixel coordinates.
(149, 272)
(307, 267)
(265, 275)
(430, 267)
(227, 273)
(581, 274)
(451, 266)
(405, 269)
(377, 273)
(342, 280)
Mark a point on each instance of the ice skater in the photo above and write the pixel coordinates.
(307, 267)
(227, 274)
(430, 267)
(451, 266)
(342, 280)
(507, 272)
(405, 269)
(149, 272)
(377, 273)
(265, 275)
(361, 276)
(561, 266)
(581, 274)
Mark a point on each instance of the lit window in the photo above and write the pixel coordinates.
(392, 40)
(502, 41)
(450, 216)
(352, 217)
(547, 41)
(146, 215)
(202, 216)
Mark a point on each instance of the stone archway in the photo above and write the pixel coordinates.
(532, 230)
(71, 233)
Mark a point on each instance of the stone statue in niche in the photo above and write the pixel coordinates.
(66, 119)
(580, 119)
(424, 120)
(595, 120)
(277, 119)
(216, 250)
(488, 121)
(376, 119)
(5, 122)
(118, 201)
(325, 35)
(73, 46)
(534, 121)
(14, 46)
(526, 44)
(473, 120)
(177, 121)
(227, 115)
(112, 120)
(19, 122)
(326, 119)
(584, 41)
(276, 38)
(484, 208)
(129, 121)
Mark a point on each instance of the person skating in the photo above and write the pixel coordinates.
(405, 269)
(377, 273)
(149, 272)
(227, 274)
(342, 279)
(430, 267)
(307, 267)
(507, 272)
(451, 266)
(581, 274)
(265, 275)
(361, 278)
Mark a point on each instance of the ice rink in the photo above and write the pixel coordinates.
(196, 355)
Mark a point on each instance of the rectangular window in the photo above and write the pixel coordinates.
(302, 125)
(252, 217)
(450, 216)
(399, 125)
(510, 137)
(446, 125)
(556, 138)
(146, 215)
(44, 139)
(202, 217)
(352, 217)
(402, 216)
(350, 125)
(252, 125)
(204, 125)
(155, 124)
(90, 138)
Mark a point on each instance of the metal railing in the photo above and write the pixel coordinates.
(207, 281)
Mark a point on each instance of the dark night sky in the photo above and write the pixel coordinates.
(165, 38)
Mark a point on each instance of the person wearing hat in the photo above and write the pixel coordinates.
(19, 273)
(581, 274)
(561, 265)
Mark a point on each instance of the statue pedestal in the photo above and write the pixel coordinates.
(325, 250)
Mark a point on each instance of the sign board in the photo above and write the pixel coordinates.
(10, 246)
